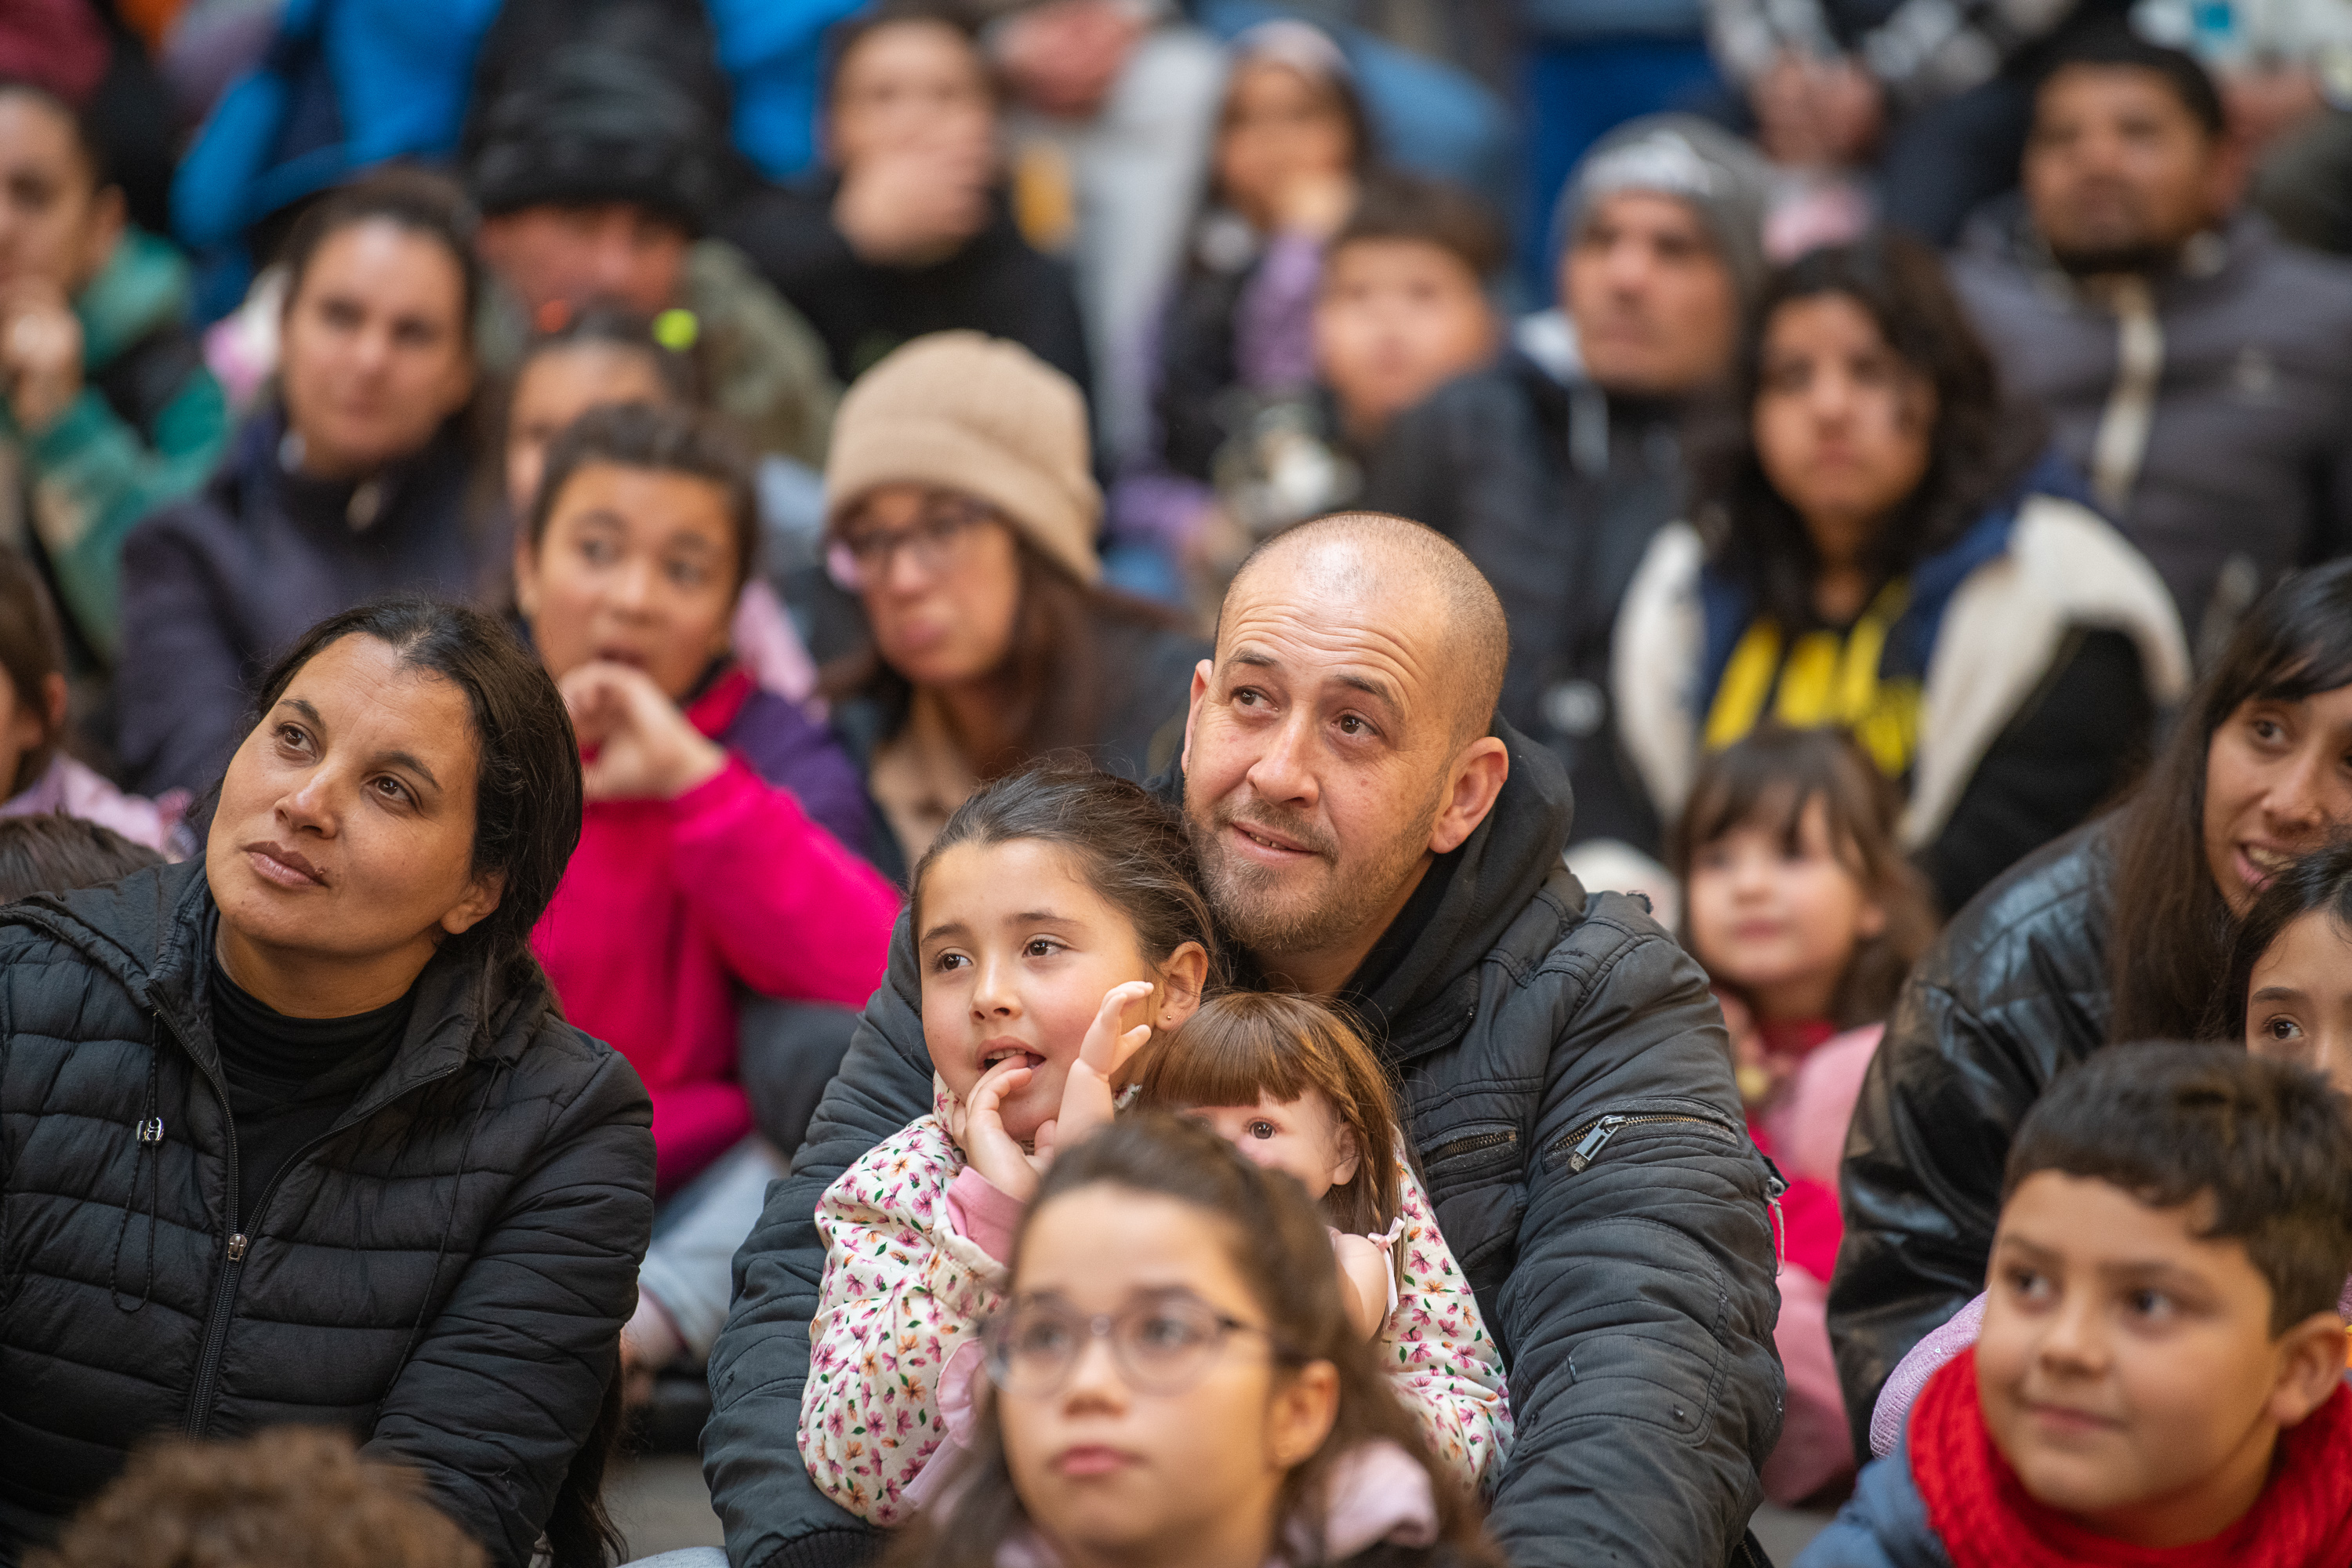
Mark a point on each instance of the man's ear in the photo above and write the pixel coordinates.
(476, 906)
(1200, 673)
(1181, 980)
(1479, 770)
(2311, 1367)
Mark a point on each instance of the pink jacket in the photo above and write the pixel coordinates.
(669, 904)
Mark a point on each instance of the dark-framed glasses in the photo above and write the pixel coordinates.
(936, 539)
(1161, 1346)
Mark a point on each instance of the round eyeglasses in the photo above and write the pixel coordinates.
(1164, 1345)
(935, 540)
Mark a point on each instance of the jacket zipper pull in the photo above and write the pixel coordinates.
(151, 1130)
(237, 1247)
(1594, 1142)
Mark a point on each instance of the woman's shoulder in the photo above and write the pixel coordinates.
(2050, 908)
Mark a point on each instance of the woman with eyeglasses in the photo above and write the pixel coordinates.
(961, 512)
(1173, 1380)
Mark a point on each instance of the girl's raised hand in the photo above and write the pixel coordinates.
(643, 747)
(1086, 1093)
(988, 1148)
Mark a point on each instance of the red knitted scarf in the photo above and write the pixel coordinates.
(1979, 1509)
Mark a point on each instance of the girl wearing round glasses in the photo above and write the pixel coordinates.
(1175, 1381)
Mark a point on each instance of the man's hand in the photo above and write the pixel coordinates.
(908, 206)
(40, 354)
(987, 1147)
(644, 748)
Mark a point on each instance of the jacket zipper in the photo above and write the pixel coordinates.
(1584, 1144)
(1470, 1145)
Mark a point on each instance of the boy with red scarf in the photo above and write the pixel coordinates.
(2159, 1380)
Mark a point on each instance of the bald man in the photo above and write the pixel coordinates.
(1370, 833)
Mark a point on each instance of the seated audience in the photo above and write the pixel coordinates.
(298, 1133)
(288, 1496)
(2199, 370)
(1368, 833)
(2159, 1373)
(597, 181)
(1553, 470)
(54, 852)
(1251, 1419)
(963, 513)
(108, 411)
(351, 483)
(1799, 902)
(2119, 932)
(908, 229)
(700, 793)
(37, 775)
(1889, 549)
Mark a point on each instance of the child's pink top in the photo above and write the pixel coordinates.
(914, 1247)
(68, 788)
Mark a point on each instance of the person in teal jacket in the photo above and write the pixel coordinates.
(106, 407)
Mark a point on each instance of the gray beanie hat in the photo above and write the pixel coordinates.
(1723, 178)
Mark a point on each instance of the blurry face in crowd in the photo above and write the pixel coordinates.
(1842, 424)
(1303, 1136)
(341, 853)
(941, 580)
(55, 225)
(636, 566)
(1111, 1473)
(1019, 953)
(1396, 319)
(1322, 767)
(2299, 999)
(557, 386)
(377, 349)
(2278, 780)
(1656, 309)
(2126, 1367)
(1278, 128)
(26, 729)
(1779, 918)
(910, 84)
(1063, 57)
(575, 253)
(2118, 171)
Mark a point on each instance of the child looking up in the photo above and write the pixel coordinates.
(1289, 1083)
(1058, 924)
(2160, 1378)
(1236, 1419)
(1802, 908)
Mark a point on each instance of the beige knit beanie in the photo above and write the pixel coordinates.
(965, 412)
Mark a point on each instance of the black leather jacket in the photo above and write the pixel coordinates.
(2014, 991)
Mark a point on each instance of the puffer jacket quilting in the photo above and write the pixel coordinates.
(443, 1274)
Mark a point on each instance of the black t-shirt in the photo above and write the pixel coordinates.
(289, 1079)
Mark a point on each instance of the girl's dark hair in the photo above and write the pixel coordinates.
(56, 852)
(1981, 447)
(1244, 1044)
(1770, 777)
(1363, 141)
(842, 38)
(1395, 206)
(1135, 852)
(1051, 686)
(670, 440)
(2170, 942)
(2319, 880)
(87, 139)
(32, 649)
(1276, 1242)
(527, 799)
(623, 331)
(424, 205)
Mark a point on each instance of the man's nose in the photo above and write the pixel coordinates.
(1285, 770)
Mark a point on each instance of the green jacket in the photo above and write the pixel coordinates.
(147, 427)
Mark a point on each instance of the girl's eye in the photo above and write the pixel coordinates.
(2282, 1030)
(1261, 1129)
(599, 551)
(2149, 1303)
(2031, 1284)
(1042, 947)
(947, 961)
(689, 573)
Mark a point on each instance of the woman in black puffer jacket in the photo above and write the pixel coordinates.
(298, 1135)
(2117, 931)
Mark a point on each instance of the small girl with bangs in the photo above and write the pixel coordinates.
(1290, 1084)
(1800, 904)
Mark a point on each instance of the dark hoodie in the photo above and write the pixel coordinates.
(1568, 1089)
(444, 1273)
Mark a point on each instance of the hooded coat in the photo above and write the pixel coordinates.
(443, 1274)
(1566, 1089)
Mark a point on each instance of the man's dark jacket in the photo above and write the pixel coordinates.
(443, 1274)
(2012, 994)
(1569, 1091)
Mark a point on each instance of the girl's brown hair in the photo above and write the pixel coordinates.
(32, 649)
(1246, 1044)
(1278, 1244)
(1771, 777)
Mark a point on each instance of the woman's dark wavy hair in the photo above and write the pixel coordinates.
(527, 792)
(1982, 446)
(1276, 1242)
(2169, 944)
(2319, 880)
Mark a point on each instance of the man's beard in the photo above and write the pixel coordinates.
(1250, 898)
(2095, 260)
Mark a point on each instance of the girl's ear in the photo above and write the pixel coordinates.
(1301, 1414)
(53, 699)
(1871, 924)
(1181, 979)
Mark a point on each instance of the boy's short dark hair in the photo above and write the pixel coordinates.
(58, 854)
(1392, 206)
(2117, 48)
(2269, 1142)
